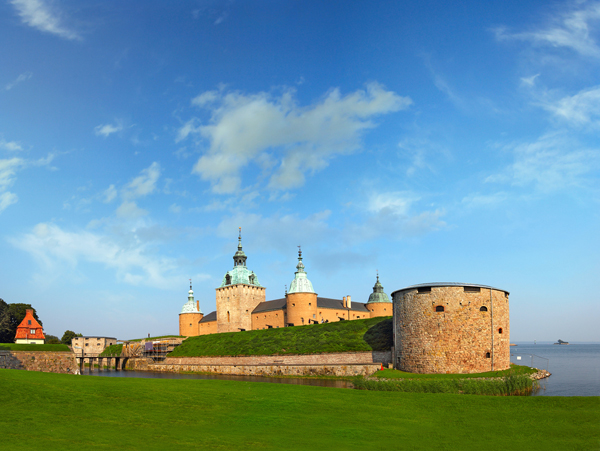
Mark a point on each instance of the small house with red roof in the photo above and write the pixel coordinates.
(29, 331)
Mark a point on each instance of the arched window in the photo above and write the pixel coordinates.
(500, 330)
(483, 308)
(228, 317)
(487, 355)
(439, 308)
(227, 279)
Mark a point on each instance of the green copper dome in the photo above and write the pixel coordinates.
(300, 284)
(378, 295)
(239, 273)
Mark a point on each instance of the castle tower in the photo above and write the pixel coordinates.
(379, 303)
(190, 316)
(239, 294)
(301, 299)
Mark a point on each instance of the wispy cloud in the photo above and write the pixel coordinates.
(554, 162)
(573, 29)
(273, 131)
(580, 109)
(134, 264)
(12, 146)
(8, 169)
(38, 14)
(108, 129)
(20, 79)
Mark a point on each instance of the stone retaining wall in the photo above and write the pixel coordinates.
(334, 358)
(334, 364)
(48, 362)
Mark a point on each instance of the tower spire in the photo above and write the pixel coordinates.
(239, 259)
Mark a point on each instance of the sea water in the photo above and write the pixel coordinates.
(575, 368)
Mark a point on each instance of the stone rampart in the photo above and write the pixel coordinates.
(48, 362)
(333, 364)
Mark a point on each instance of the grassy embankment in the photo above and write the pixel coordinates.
(64, 412)
(30, 347)
(112, 350)
(373, 334)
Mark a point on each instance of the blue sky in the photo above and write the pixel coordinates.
(433, 142)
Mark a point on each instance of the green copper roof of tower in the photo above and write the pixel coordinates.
(300, 284)
(378, 295)
(239, 273)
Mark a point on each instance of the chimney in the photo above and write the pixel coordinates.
(29, 311)
(344, 302)
(198, 305)
(349, 302)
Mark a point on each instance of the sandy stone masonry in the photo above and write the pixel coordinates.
(451, 329)
(49, 362)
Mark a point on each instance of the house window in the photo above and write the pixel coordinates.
(293, 305)
(424, 290)
(29, 322)
(87, 344)
(439, 308)
(32, 331)
(190, 324)
(483, 308)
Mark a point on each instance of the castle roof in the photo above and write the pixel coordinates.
(447, 284)
(378, 295)
(191, 306)
(300, 284)
(212, 316)
(239, 273)
(337, 304)
(29, 328)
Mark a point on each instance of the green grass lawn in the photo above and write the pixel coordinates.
(512, 371)
(373, 334)
(63, 412)
(44, 347)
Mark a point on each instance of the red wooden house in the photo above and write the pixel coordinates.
(29, 331)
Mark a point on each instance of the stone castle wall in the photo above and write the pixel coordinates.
(235, 304)
(273, 318)
(48, 362)
(380, 309)
(461, 339)
(206, 328)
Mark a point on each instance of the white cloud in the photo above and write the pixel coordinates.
(580, 109)
(174, 208)
(554, 162)
(12, 146)
(20, 79)
(476, 200)
(38, 14)
(110, 194)
(573, 29)
(108, 129)
(143, 184)
(6, 199)
(135, 264)
(395, 202)
(263, 129)
(529, 81)
(129, 210)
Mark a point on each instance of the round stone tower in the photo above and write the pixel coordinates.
(451, 328)
(190, 316)
(379, 303)
(301, 299)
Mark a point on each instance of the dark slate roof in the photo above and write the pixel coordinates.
(267, 306)
(212, 316)
(338, 304)
(447, 284)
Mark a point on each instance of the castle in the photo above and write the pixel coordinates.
(242, 305)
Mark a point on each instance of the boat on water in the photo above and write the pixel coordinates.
(560, 342)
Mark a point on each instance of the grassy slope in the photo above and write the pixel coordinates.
(55, 411)
(112, 350)
(16, 347)
(373, 334)
(396, 374)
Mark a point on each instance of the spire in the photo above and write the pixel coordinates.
(300, 284)
(239, 259)
(191, 306)
(378, 295)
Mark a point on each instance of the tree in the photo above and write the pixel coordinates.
(11, 317)
(68, 336)
(52, 340)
